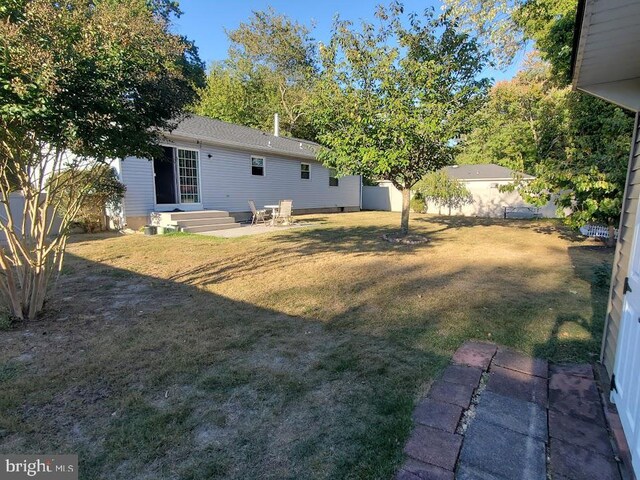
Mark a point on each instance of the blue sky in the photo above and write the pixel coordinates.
(206, 20)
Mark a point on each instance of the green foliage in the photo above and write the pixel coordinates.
(5, 320)
(417, 203)
(444, 191)
(505, 26)
(271, 69)
(99, 78)
(393, 98)
(521, 123)
(589, 178)
(80, 82)
(576, 145)
(602, 275)
(99, 188)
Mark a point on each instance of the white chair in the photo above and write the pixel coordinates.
(285, 212)
(258, 215)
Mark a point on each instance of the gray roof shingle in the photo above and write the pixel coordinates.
(487, 171)
(223, 133)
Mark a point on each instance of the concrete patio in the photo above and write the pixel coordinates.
(496, 414)
(247, 229)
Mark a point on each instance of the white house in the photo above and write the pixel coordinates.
(484, 182)
(605, 64)
(211, 169)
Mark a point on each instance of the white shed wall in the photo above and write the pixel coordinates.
(384, 197)
(489, 201)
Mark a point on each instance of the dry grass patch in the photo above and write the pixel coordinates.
(297, 354)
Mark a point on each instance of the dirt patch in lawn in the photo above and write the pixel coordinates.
(288, 355)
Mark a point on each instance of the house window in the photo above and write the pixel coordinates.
(333, 177)
(305, 171)
(257, 166)
(188, 176)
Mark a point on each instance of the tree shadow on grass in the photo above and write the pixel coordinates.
(546, 226)
(561, 346)
(146, 376)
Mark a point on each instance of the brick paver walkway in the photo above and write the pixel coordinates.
(499, 415)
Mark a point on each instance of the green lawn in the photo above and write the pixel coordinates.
(298, 354)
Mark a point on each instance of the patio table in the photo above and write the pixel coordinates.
(274, 210)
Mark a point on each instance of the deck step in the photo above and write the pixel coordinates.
(210, 228)
(204, 221)
(178, 216)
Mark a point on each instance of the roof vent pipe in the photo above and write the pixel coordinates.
(276, 125)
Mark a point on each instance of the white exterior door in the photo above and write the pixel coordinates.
(626, 395)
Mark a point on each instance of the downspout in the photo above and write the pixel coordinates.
(360, 206)
(123, 215)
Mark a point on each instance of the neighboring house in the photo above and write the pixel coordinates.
(605, 64)
(484, 182)
(212, 167)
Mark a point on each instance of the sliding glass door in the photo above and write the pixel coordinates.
(177, 177)
(188, 176)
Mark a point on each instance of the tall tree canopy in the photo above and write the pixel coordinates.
(576, 144)
(80, 82)
(506, 26)
(394, 97)
(271, 68)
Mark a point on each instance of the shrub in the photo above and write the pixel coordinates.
(103, 191)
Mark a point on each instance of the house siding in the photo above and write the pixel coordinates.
(137, 176)
(226, 182)
(622, 254)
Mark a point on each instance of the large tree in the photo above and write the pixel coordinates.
(580, 150)
(575, 145)
(271, 68)
(80, 82)
(523, 121)
(506, 27)
(394, 97)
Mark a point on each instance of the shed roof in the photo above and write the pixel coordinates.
(486, 171)
(605, 51)
(228, 134)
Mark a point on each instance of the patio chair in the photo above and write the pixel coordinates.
(285, 212)
(258, 215)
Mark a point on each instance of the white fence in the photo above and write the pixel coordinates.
(16, 201)
(382, 197)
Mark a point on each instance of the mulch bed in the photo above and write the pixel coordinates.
(400, 239)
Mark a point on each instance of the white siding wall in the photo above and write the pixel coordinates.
(227, 184)
(489, 201)
(137, 175)
(383, 197)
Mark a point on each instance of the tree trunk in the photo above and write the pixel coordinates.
(611, 240)
(406, 204)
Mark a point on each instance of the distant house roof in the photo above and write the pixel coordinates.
(228, 134)
(487, 171)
